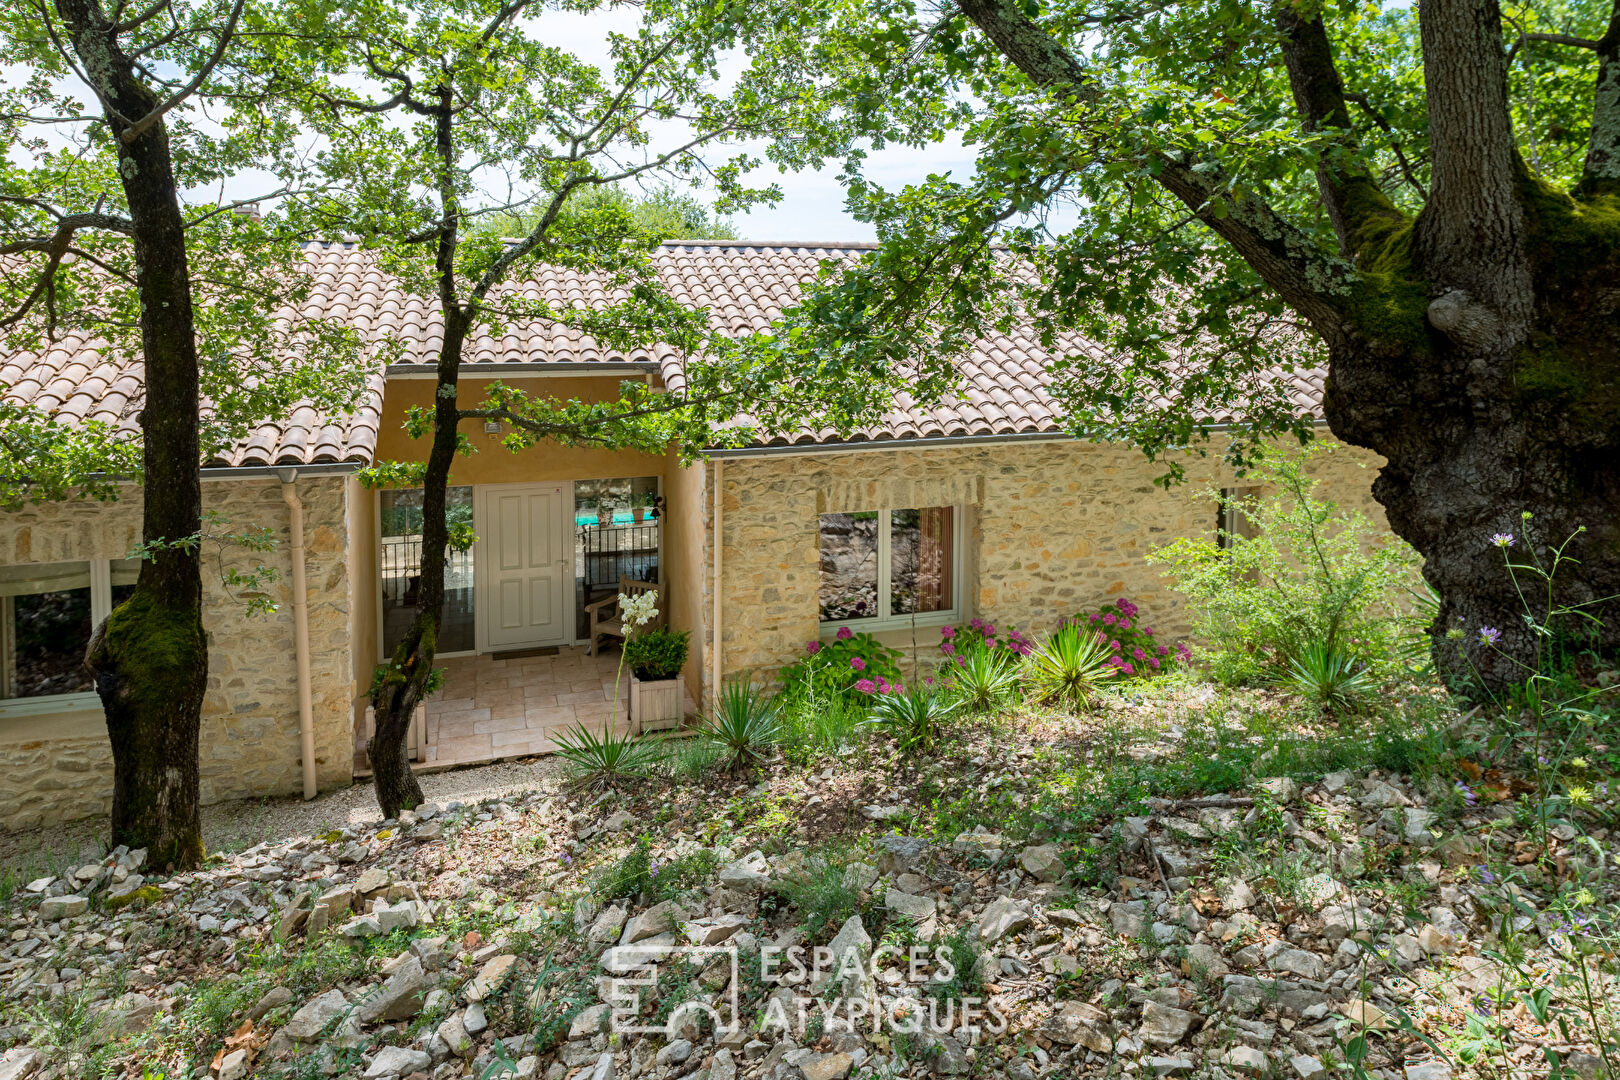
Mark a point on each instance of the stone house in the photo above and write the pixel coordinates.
(981, 507)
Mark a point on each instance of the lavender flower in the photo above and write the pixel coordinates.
(1489, 635)
(1467, 793)
(1502, 540)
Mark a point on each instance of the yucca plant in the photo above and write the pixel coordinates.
(983, 678)
(913, 716)
(1070, 667)
(745, 723)
(606, 760)
(1330, 677)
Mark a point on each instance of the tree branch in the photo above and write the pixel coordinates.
(1285, 258)
(1601, 172)
(1349, 192)
(1471, 235)
(144, 124)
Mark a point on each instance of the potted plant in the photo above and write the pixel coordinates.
(657, 686)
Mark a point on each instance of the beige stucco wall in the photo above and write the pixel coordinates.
(686, 553)
(494, 464)
(1050, 529)
(57, 767)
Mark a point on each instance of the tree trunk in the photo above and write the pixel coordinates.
(150, 657)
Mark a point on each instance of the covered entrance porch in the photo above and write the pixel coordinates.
(512, 629)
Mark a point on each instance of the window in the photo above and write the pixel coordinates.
(889, 564)
(1230, 520)
(400, 521)
(617, 533)
(47, 612)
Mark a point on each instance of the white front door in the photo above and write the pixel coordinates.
(527, 578)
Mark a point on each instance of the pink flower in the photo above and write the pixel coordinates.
(864, 686)
(976, 623)
(1095, 615)
(857, 663)
(1124, 624)
(812, 647)
(989, 631)
(844, 633)
(882, 684)
(947, 631)
(1148, 630)
(1127, 669)
(1109, 619)
(1139, 654)
(1114, 645)
(947, 648)
(1164, 650)
(1155, 664)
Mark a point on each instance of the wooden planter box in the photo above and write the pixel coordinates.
(658, 705)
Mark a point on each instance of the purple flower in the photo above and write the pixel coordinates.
(812, 647)
(1467, 793)
(844, 633)
(857, 663)
(1114, 645)
(1164, 650)
(1095, 615)
(1127, 669)
(947, 631)
(1486, 876)
(1124, 624)
(1489, 635)
(1139, 654)
(1154, 662)
(865, 686)
(1148, 630)
(1502, 540)
(947, 648)
(1109, 620)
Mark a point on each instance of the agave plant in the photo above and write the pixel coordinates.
(1331, 677)
(982, 678)
(746, 721)
(606, 760)
(1069, 667)
(913, 716)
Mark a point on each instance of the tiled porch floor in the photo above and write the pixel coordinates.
(492, 708)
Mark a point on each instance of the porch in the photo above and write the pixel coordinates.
(497, 705)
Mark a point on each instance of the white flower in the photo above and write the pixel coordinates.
(637, 611)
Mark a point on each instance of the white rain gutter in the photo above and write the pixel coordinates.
(300, 606)
(719, 544)
(529, 369)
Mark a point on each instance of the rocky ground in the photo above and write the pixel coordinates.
(1039, 897)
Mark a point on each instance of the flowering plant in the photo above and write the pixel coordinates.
(1137, 651)
(851, 666)
(975, 634)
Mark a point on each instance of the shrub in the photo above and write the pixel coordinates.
(659, 653)
(606, 760)
(1330, 677)
(1069, 667)
(812, 729)
(976, 635)
(1137, 651)
(851, 666)
(1310, 573)
(913, 716)
(746, 721)
(983, 678)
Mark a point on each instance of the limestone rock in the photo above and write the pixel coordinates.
(1080, 1024)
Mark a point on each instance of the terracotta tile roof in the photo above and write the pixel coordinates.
(81, 378)
(744, 285)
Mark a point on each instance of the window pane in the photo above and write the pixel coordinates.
(920, 561)
(616, 534)
(401, 565)
(45, 627)
(849, 566)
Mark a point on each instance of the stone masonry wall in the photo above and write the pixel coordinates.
(1051, 528)
(250, 737)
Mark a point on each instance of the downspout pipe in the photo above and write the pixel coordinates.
(300, 607)
(719, 546)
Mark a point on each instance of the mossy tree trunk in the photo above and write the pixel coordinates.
(1474, 346)
(150, 657)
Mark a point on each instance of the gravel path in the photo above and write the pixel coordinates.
(232, 826)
